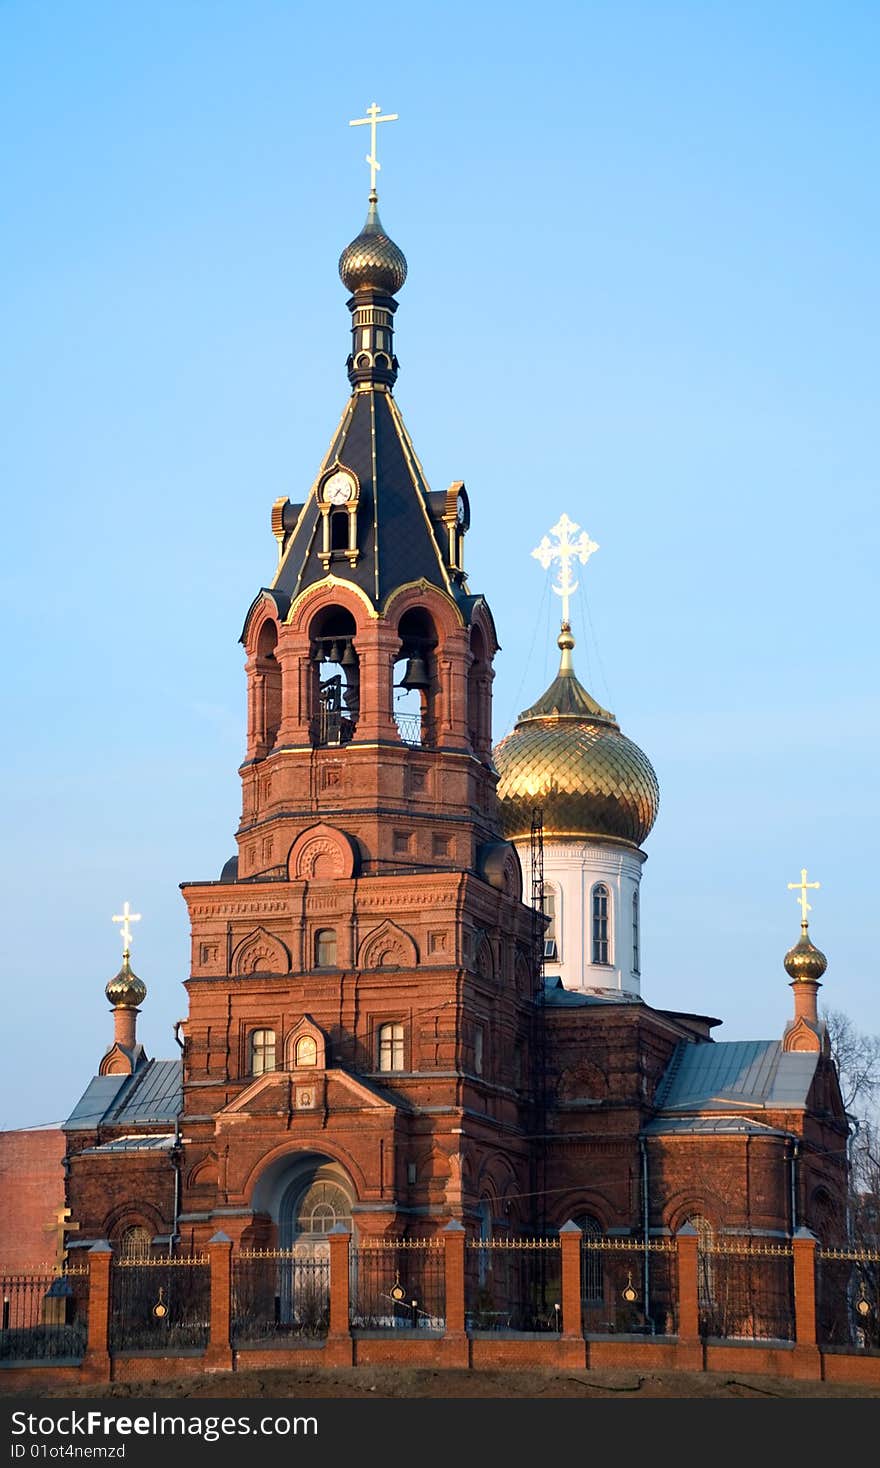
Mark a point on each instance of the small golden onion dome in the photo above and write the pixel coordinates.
(126, 990)
(567, 755)
(372, 261)
(805, 960)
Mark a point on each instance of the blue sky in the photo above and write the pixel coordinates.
(642, 242)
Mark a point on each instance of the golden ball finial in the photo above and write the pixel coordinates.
(373, 261)
(125, 990)
(805, 962)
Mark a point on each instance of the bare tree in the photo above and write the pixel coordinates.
(857, 1056)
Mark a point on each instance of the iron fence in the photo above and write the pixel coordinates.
(160, 1304)
(628, 1286)
(43, 1317)
(279, 1296)
(513, 1285)
(746, 1292)
(398, 1285)
(848, 1300)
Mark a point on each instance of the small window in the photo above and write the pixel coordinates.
(635, 918)
(478, 1050)
(391, 1047)
(325, 948)
(262, 1049)
(306, 1052)
(601, 945)
(551, 932)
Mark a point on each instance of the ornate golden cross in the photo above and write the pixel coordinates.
(60, 1227)
(373, 117)
(126, 917)
(567, 548)
(803, 886)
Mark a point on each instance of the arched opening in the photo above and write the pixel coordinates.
(415, 678)
(592, 1265)
(136, 1242)
(306, 1052)
(306, 1195)
(335, 690)
(705, 1261)
(267, 688)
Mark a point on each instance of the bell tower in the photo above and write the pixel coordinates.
(373, 899)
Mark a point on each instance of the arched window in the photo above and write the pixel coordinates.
(322, 1206)
(306, 1052)
(705, 1261)
(391, 1047)
(325, 948)
(415, 678)
(551, 932)
(601, 915)
(136, 1243)
(334, 702)
(262, 1051)
(635, 925)
(592, 1268)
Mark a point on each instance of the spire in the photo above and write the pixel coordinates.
(805, 964)
(567, 697)
(126, 992)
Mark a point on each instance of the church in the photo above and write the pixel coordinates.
(415, 991)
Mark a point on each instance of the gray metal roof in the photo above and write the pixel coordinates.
(151, 1143)
(153, 1094)
(715, 1126)
(731, 1073)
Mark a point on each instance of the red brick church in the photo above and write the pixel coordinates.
(415, 992)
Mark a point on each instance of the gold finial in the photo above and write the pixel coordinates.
(373, 117)
(126, 917)
(566, 549)
(803, 886)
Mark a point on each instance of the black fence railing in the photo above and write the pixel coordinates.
(746, 1293)
(628, 1287)
(279, 1297)
(398, 1286)
(513, 1285)
(161, 1304)
(43, 1317)
(848, 1300)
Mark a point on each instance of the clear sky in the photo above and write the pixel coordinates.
(642, 241)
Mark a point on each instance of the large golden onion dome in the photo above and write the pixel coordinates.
(805, 961)
(567, 755)
(373, 261)
(125, 990)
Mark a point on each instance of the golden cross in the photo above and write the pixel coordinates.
(566, 549)
(802, 886)
(126, 917)
(373, 117)
(61, 1226)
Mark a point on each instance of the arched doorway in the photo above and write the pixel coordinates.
(307, 1195)
(310, 1208)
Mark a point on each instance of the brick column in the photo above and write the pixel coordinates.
(807, 1355)
(218, 1356)
(570, 1238)
(339, 1347)
(453, 1244)
(686, 1243)
(96, 1362)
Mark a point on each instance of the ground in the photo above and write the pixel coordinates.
(379, 1382)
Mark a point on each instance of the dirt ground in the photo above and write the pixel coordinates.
(381, 1382)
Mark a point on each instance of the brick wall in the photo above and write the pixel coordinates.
(31, 1191)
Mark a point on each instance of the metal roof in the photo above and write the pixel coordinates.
(744, 1073)
(153, 1094)
(152, 1143)
(716, 1126)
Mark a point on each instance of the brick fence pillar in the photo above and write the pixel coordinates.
(339, 1341)
(807, 1355)
(453, 1244)
(218, 1356)
(570, 1237)
(96, 1362)
(688, 1313)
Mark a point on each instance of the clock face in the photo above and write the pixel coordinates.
(459, 508)
(338, 490)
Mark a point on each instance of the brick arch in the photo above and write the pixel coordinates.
(481, 619)
(706, 1204)
(422, 595)
(584, 1081)
(331, 591)
(288, 1151)
(131, 1215)
(204, 1174)
(263, 612)
(322, 853)
(261, 952)
(577, 1202)
(387, 946)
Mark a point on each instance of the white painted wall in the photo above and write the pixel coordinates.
(572, 869)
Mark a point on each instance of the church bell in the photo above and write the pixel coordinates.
(416, 674)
